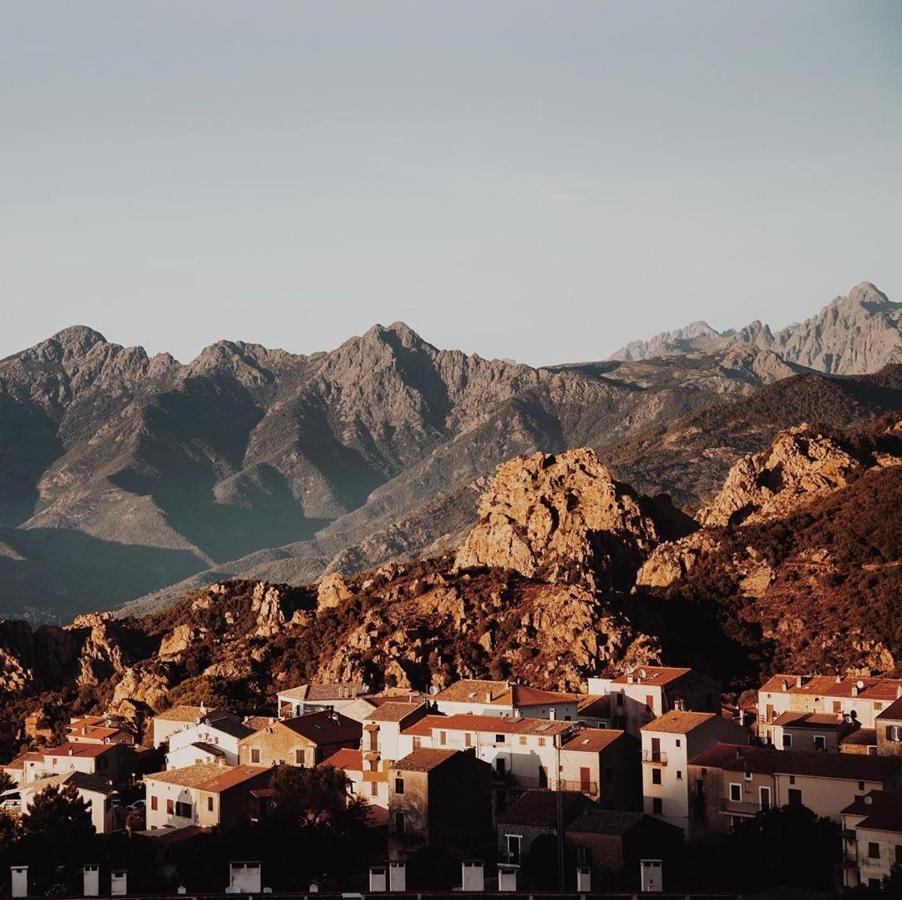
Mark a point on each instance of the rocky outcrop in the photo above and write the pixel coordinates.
(800, 466)
(670, 561)
(332, 591)
(101, 652)
(561, 519)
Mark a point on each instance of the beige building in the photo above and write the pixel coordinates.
(861, 699)
(668, 743)
(500, 698)
(305, 741)
(105, 760)
(730, 783)
(368, 778)
(203, 795)
(639, 695)
(872, 839)
(810, 731)
(888, 728)
(307, 698)
(175, 719)
(96, 730)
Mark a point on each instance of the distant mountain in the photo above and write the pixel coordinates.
(852, 335)
(125, 476)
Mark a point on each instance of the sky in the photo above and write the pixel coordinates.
(541, 181)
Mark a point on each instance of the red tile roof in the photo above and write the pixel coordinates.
(210, 777)
(424, 760)
(831, 686)
(893, 711)
(494, 724)
(678, 721)
(393, 711)
(350, 760)
(500, 693)
(424, 727)
(797, 719)
(848, 766)
(592, 740)
(594, 706)
(70, 748)
(863, 737)
(719, 755)
(882, 811)
(540, 807)
(653, 675)
(324, 727)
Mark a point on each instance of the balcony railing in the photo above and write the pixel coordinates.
(525, 781)
(740, 807)
(654, 757)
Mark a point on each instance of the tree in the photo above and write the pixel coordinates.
(6, 783)
(792, 846)
(313, 797)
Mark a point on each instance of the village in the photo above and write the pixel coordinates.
(524, 788)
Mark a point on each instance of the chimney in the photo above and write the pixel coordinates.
(785, 685)
(798, 681)
(838, 678)
(488, 696)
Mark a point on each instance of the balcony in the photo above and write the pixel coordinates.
(739, 808)
(586, 787)
(654, 757)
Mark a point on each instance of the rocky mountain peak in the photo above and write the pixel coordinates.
(562, 518)
(77, 339)
(801, 465)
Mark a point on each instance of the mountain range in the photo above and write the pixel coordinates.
(129, 478)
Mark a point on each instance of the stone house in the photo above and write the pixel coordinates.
(438, 798)
(304, 741)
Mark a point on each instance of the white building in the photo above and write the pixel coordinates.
(668, 743)
(212, 739)
(93, 790)
(499, 698)
(307, 698)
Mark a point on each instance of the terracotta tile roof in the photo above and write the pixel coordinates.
(595, 706)
(831, 686)
(809, 720)
(393, 711)
(882, 811)
(539, 807)
(321, 727)
(80, 780)
(424, 727)
(493, 725)
(210, 777)
(318, 693)
(71, 748)
(605, 821)
(19, 761)
(719, 755)
(592, 740)
(182, 714)
(862, 737)
(849, 766)
(424, 760)
(500, 693)
(350, 760)
(653, 675)
(678, 721)
(893, 711)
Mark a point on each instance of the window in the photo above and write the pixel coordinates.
(499, 738)
(443, 737)
(513, 844)
(154, 801)
(820, 742)
(837, 706)
(468, 739)
(655, 776)
(679, 742)
(522, 740)
(298, 756)
(795, 797)
(787, 741)
(764, 797)
(679, 774)
(399, 785)
(374, 789)
(170, 807)
(209, 804)
(399, 823)
(657, 806)
(182, 810)
(735, 792)
(873, 850)
(541, 742)
(792, 779)
(255, 755)
(748, 774)
(417, 743)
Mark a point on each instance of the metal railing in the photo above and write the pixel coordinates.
(654, 757)
(740, 807)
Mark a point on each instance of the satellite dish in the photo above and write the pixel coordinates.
(642, 673)
(433, 689)
(859, 685)
(868, 800)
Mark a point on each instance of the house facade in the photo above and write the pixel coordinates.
(95, 791)
(203, 795)
(214, 738)
(668, 743)
(501, 698)
(641, 694)
(304, 741)
(888, 730)
(307, 698)
(872, 839)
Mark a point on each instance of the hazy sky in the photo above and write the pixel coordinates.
(543, 181)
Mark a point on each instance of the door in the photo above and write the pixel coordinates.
(764, 797)
(585, 782)
(543, 777)
(656, 749)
